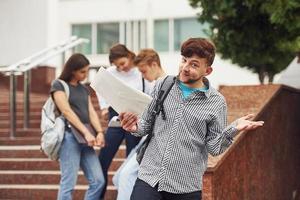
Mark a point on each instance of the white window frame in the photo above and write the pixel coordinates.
(94, 38)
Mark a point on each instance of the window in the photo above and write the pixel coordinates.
(186, 28)
(107, 35)
(134, 34)
(161, 35)
(83, 31)
(168, 34)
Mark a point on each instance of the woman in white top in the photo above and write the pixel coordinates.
(123, 69)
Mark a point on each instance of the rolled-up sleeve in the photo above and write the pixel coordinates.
(219, 137)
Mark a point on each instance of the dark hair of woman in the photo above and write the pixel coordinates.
(119, 51)
(76, 62)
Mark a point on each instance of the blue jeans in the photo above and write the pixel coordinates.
(126, 175)
(113, 139)
(72, 156)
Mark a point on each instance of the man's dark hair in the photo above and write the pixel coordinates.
(200, 47)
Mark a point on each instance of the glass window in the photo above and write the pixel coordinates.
(107, 35)
(83, 31)
(186, 28)
(161, 35)
(142, 35)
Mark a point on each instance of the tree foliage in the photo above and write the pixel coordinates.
(262, 36)
(287, 14)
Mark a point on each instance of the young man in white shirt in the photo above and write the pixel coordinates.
(148, 63)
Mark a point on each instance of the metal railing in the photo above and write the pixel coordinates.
(23, 67)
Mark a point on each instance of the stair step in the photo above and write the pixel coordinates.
(33, 151)
(41, 192)
(20, 109)
(33, 123)
(20, 99)
(20, 141)
(20, 132)
(33, 104)
(20, 116)
(42, 164)
(40, 177)
(34, 100)
(20, 102)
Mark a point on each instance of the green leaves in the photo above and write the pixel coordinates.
(261, 35)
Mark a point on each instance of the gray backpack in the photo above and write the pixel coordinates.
(52, 127)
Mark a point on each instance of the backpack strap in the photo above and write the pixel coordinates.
(163, 92)
(67, 91)
(143, 82)
(165, 88)
(66, 87)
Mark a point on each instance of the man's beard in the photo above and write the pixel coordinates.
(189, 81)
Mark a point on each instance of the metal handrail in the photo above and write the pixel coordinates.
(28, 61)
(47, 57)
(23, 67)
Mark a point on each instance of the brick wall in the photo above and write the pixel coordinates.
(41, 78)
(265, 163)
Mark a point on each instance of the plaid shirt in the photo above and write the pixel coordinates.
(176, 157)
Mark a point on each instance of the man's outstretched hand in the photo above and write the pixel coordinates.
(128, 121)
(245, 123)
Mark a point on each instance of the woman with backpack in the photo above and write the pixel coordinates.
(80, 116)
(124, 69)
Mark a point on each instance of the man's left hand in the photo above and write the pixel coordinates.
(245, 123)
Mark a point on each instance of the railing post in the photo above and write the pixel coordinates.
(26, 98)
(12, 104)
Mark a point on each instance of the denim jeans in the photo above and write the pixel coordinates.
(113, 139)
(72, 156)
(126, 175)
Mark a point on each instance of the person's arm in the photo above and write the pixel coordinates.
(219, 137)
(63, 105)
(96, 124)
(103, 106)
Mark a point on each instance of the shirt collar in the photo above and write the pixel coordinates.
(206, 82)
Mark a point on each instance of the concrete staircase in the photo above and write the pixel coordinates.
(25, 173)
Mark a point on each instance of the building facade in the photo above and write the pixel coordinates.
(162, 25)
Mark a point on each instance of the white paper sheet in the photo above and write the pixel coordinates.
(120, 96)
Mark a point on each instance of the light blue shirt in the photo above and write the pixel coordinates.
(187, 91)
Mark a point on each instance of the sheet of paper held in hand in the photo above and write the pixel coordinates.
(120, 96)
